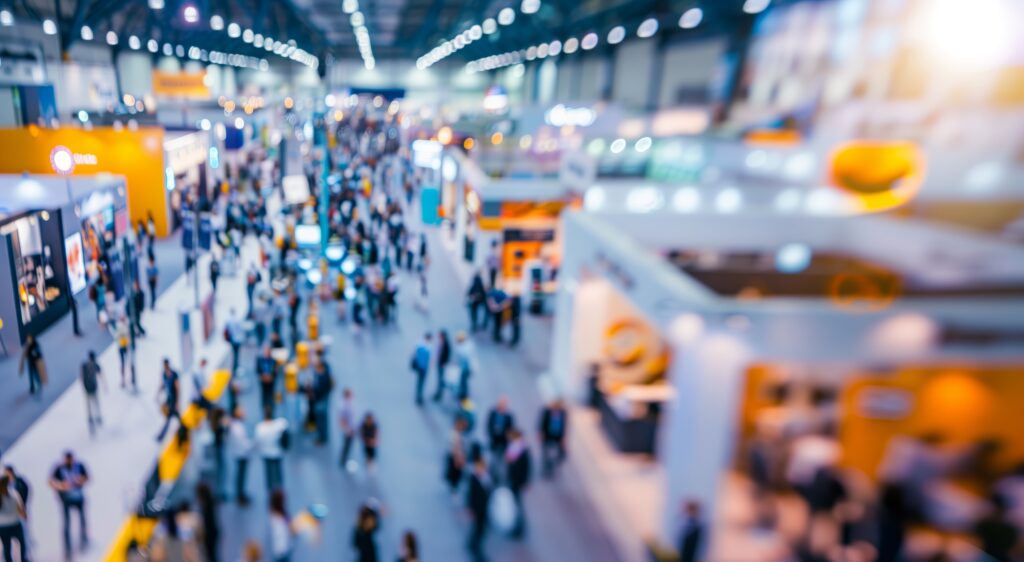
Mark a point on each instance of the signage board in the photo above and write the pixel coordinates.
(190, 85)
(76, 262)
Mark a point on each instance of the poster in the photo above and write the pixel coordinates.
(76, 262)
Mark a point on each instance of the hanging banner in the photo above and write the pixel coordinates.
(181, 84)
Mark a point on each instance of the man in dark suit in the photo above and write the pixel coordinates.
(692, 534)
(499, 421)
(478, 495)
(553, 423)
(520, 468)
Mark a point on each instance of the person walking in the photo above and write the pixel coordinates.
(552, 430)
(271, 442)
(455, 460)
(363, 536)
(515, 319)
(421, 364)
(497, 303)
(691, 536)
(123, 338)
(12, 517)
(210, 524)
(214, 273)
(138, 305)
(281, 533)
(499, 421)
(409, 550)
(91, 376)
(219, 427)
(444, 355)
(239, 447)
(68, 480)
(152, 276)
(347, 420)
(369, 433)
(476, 299)
(252, 278)
(319, 392)
(234, 333)
(519, 470)
(32, 361)
(22, 490)
(170, 389)
(478, 495)
(266, 372)
(493, 262)
(465, 356)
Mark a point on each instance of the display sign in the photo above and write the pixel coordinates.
(307, 236)
(76, 262)
(577, 170)
(885, 403)
(426, 154)
(296, 189)
(181, 84)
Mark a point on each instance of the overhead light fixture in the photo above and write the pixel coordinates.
(616, 35)
(134, 43)
(49, 27)
(152, 45)
(350, 6)
(6, 18)
(86, 32)
(571, 45)
(489, 26)
(234, 30)
(111, 38)
(247, 36)
(190, 14)
(216, 23)
(648, 28)
(643, 145)
(755, 6)
(357, 19)
(589, 41)
(156, 4)
(691, 18)
(179, 50)
(529, 6)
(506, 16)
(476, 32)
(554, 48)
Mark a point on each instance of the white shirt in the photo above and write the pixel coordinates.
(239, 443)
(280, 536)
(268, 437)
(465, 354)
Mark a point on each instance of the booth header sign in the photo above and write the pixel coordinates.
(181, 84)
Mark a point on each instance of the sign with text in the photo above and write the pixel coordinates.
(181, 84)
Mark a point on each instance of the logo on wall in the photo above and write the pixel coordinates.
(63, 161)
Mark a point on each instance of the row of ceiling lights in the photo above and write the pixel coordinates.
(506, 16)
(285, 49)
(358, 21)
(690, 19)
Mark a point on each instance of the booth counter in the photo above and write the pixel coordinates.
(888, 325)
(52, 229)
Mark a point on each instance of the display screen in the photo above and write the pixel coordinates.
(76, 262)
(307, 235)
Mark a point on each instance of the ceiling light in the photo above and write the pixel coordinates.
(755, 6)
(531, 53)
(234, 30)
(6, 18)
(111, 38)
(490, 26)
(542, 50)
(686, 200)
(193, 53)
(691, 18)
(350, 6)
(152, 45)
(134, 43)
(529, 6)
(643, 145)
(729, 200)
(168, 49)
(190, 14)
(589, 41)
(86, 33)
(49, 27)
(216, 23)
(179, 51)
(554, 48)
(357, 19)
(647, 29)
(571, 44)
(616, 35)
(618, 145)
(505, 17)
(257, 41)
(476, 32)
(156, 4)
(247, 36)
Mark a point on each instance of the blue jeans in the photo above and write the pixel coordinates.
(34, 381)
(9, 534)
(68, 505)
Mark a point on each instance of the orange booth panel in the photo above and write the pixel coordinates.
(137, 155)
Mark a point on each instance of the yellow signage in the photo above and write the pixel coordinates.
(181, 84)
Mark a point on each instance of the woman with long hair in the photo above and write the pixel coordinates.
(363, 540)
(409, 551)
(12, 512)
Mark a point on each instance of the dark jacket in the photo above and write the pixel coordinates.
(690, 541)
(547, 428)
(365, 545)
(519, 471)
(478, 494)
(498, 423)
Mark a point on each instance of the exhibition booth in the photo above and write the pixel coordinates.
(53, 229)
(187, 156)
(680, 343)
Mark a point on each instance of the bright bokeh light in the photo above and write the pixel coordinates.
(86, 33)
(643, 145)
(6, 18)
(497, 138)
(589, 41)
(756, 6)
(686, 200)
(645, 199)
(530, 6)
(204, 124)
(49, 27)
(618, 145)
(111, 38)
(134, 43)
(788, 200)
(444, 135)
(190, 14)
(216, 23)
(729, 200)
(616, 35)
(648, 28)
(506, 16)
(975, 33)
(594, 198)
(489, 26)
(793, 258)
(691, 18)
(468, 144)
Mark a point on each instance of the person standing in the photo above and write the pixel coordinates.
(239, 446)
(455, 460)
(234, 333)
(210, 524)
(476, 299)
(219, 427)
(515, 319)
(251, 279)
(444, 355)
(320, 398)
(281, 532)
(465, 356)
(478, 496)
(497, 303)
(692, 534)
(266, 372)
(91, 376)
(370, 434)
(347, 419)
(409, 550)
(123, 337)
(68, 479)
(32, 360)
(12, 515)
(152, 276)
(22, 490)
(214, 273)
(518, 474)
(493, 264)
(363, 536)
(138, 305)
(421, 364)
(271, 442)
(170, 389)
(552, 429)
(499, 421)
